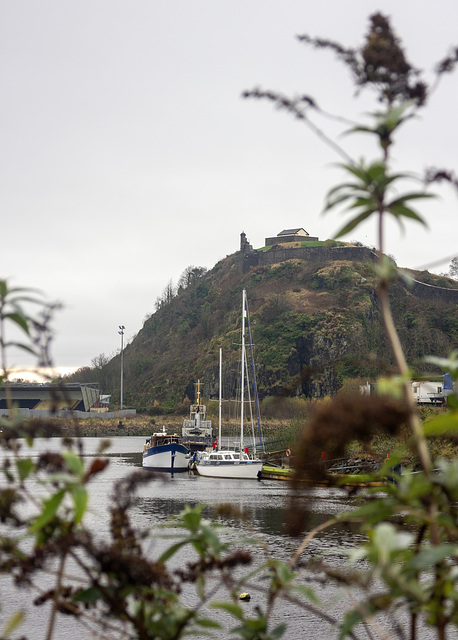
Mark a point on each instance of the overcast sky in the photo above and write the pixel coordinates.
(127, 152)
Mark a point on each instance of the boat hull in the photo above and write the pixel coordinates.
(168, 457)
(244, 469)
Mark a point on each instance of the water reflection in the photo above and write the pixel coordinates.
(261, 503)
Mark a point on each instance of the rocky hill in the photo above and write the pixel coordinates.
(315, 323)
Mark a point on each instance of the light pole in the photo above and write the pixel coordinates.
(121, 333)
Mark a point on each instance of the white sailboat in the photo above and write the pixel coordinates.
(231, 463)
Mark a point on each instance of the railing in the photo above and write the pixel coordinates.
(204, 424)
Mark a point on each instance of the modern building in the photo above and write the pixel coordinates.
(52, 396)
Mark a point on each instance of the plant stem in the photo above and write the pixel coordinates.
(414, 419)
(52, 617)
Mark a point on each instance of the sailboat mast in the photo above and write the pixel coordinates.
(220, 395)
(243, 370)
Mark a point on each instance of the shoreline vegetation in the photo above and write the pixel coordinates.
(279, 435)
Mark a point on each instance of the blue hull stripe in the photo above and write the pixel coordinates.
(173, 448)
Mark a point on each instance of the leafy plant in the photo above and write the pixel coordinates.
(407, 560)
(416, 570)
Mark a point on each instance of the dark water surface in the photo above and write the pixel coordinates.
(262, 503)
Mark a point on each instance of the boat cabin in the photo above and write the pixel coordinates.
(226, 456)
(160, 439)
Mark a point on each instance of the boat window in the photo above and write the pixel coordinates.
(228, 457)
(245, 456)
(236, 456)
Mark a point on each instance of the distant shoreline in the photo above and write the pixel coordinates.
(140, 425)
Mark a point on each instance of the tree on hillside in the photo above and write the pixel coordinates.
(100, 361)
(453, 268)
(166, 297)
(190, 275)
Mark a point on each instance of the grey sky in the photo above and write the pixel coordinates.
(127, 153)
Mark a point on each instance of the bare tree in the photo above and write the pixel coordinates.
(190, 275)
(100, 361)
(167, 295)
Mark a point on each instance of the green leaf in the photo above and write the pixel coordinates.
(61, 478)
(191, 518)
(24, 467)
(400, 210)
(441, 425)
(168, 553)
(278, 631)
(207, 624)
(50, 508)
(88, 596)
(74, 462)
(333, 202)
(211, 538)
(80, 498)
(20, 319)
(283, 573)
(22, 346)
(230, 607)
(353, 223)
(432, 556)
(351, 619)
(411, 196)
(307, 592)
(363, 202)
(13, 623)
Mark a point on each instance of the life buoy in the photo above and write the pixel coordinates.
(288, 452)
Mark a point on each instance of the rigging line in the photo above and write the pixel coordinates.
(255, 387)
(250, 404)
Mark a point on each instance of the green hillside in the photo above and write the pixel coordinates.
(314, 325)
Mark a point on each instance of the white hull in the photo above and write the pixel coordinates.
(236, 469)
(166, 458)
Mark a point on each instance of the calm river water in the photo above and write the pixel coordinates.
(262, 502)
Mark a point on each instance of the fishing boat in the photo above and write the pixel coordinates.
(221, 463)
(164, 452)
(196, 433)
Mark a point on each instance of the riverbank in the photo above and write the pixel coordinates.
(279, 435)
(280, 431)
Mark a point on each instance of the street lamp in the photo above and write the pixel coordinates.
(121, 333)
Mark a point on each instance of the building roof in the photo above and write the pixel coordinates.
(51, 396)
(293, 232)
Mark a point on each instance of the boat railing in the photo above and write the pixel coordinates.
(197, 439)
(190, 424)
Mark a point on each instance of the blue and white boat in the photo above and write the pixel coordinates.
(164, 452)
